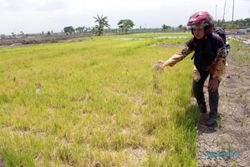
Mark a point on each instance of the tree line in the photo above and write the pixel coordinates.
(101, 23)
(126, 25)
(237, 24)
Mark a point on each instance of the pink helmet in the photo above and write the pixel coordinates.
(203, 19)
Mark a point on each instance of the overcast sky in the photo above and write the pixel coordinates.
(35, 16)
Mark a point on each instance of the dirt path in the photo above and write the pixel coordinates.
(1, 162)
(228, 144)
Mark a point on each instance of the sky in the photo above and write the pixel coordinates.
(35, 16)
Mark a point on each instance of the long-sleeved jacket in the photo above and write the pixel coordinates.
(209, 55)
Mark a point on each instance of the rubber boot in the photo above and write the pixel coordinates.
(213, 104)
(212, 121)
(202, 107)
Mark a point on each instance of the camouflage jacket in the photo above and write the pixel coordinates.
(209, 55)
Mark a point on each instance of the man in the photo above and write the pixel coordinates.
(209, 60)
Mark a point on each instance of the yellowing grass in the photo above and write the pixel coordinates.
(93, 102)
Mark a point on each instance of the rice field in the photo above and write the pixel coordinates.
(97, 103)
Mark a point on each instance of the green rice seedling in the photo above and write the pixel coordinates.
(97, 102)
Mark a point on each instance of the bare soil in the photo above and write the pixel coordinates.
(232, 134)
(1, 162)
(37, 39)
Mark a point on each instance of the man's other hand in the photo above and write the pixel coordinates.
(213, 84)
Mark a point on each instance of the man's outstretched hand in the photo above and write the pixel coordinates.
(170, 62)
(160, 64)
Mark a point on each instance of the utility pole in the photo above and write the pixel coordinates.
(233, 12)
(223, 19)
(216, 12)
(225, 4)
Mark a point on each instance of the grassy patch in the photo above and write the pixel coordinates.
(94, 103)
(240, 52)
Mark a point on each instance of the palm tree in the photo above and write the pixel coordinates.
(101, 23)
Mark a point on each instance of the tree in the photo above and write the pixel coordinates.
(68, 30)
(125, 25)
(80, 29)
(13, 34)
(2, 36)
(184, 28)
(21, 33)
(165, 27)
(180, 27)
(102, 22)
